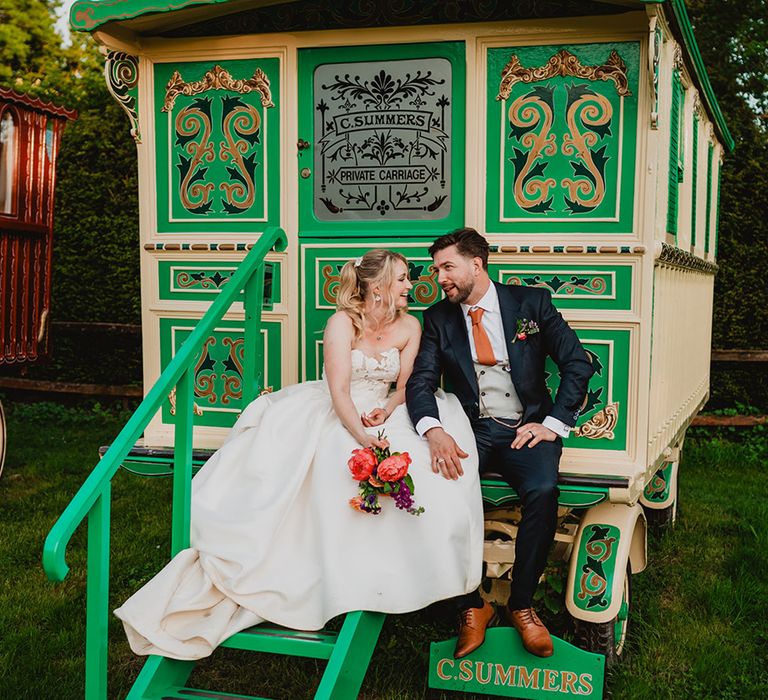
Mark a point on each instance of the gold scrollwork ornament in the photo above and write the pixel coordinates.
(564, 63)
(217, 78)
(172, 398)
(601, 425)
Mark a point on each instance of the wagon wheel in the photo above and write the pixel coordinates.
(607, 638)
(661, 519)
(2, 437)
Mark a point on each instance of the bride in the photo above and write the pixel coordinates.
(273, 535)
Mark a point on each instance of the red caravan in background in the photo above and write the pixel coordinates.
(30, 134)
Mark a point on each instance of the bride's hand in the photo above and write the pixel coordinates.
(372, 441)
(376, 417)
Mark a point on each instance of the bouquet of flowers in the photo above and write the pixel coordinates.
(380, 472)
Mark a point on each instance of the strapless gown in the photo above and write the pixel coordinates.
(274, 539)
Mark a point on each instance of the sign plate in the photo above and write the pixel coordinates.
(501, 666)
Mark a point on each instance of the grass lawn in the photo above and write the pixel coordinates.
(699, 619)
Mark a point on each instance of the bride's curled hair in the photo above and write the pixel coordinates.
(377, 269)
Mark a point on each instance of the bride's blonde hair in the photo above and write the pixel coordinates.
(377, 268)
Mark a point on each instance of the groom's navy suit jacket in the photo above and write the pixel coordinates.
(445, 351)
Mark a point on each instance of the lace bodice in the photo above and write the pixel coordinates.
(372, 377)
(381, 369)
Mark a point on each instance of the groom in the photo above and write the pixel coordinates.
(490, 341)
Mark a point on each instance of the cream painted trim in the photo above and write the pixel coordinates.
(685, 190)
(632, 544)
(527, 31)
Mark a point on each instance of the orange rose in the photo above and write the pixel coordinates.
(395, 467)
(362, 463)
(357, 504)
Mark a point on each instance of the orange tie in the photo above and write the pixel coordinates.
(482, 342)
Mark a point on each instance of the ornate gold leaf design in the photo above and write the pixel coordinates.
(564, 63)
(172, 398)
(217, 79)
(533, 111)
(591, 111)
(601, 425)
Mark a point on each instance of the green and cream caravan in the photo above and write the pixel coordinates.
(277, 140)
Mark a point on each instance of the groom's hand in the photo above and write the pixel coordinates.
(532, 434)
(446, 454)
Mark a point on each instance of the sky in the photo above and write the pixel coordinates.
(62, 24)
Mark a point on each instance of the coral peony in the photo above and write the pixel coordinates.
(395, 467)
(362, 463)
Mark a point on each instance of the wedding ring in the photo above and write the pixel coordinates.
(440, 459)
(531, 432)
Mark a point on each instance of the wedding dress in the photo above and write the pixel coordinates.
(274, 538)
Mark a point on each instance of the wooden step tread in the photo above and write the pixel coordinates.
(282, 640)
(191, 693)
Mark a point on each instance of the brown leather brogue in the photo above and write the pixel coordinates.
(536, 638)
(472, 627)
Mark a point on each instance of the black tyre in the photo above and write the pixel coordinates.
(661, 519)
(607, 638)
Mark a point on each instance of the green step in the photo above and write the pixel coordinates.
(498, 493)
(281, 640)
(191, 693)
(347, 653)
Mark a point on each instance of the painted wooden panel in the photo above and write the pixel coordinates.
(194, 280)
(576, 285)
(218, 372)
(217, 145)
(561, 138)
(603, 420)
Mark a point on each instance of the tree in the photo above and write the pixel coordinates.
(96, 255)
(33, 58)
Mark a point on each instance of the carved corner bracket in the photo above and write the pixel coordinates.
(217, 78)
(121, 72)
(564, 63)
(601, 425)
(655, 40)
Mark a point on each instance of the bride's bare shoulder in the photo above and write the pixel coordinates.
(410, 324)
(339, 323)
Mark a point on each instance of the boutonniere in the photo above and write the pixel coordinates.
(525, 328)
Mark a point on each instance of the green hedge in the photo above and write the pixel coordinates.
(96, 245)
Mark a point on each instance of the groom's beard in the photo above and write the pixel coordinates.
(460, 292)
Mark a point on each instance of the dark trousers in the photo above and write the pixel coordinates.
(532, 472)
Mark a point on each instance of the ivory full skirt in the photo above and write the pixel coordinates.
(273, 537)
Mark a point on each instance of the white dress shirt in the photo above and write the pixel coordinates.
(494, 328)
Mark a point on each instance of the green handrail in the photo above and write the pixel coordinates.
(54, 551)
